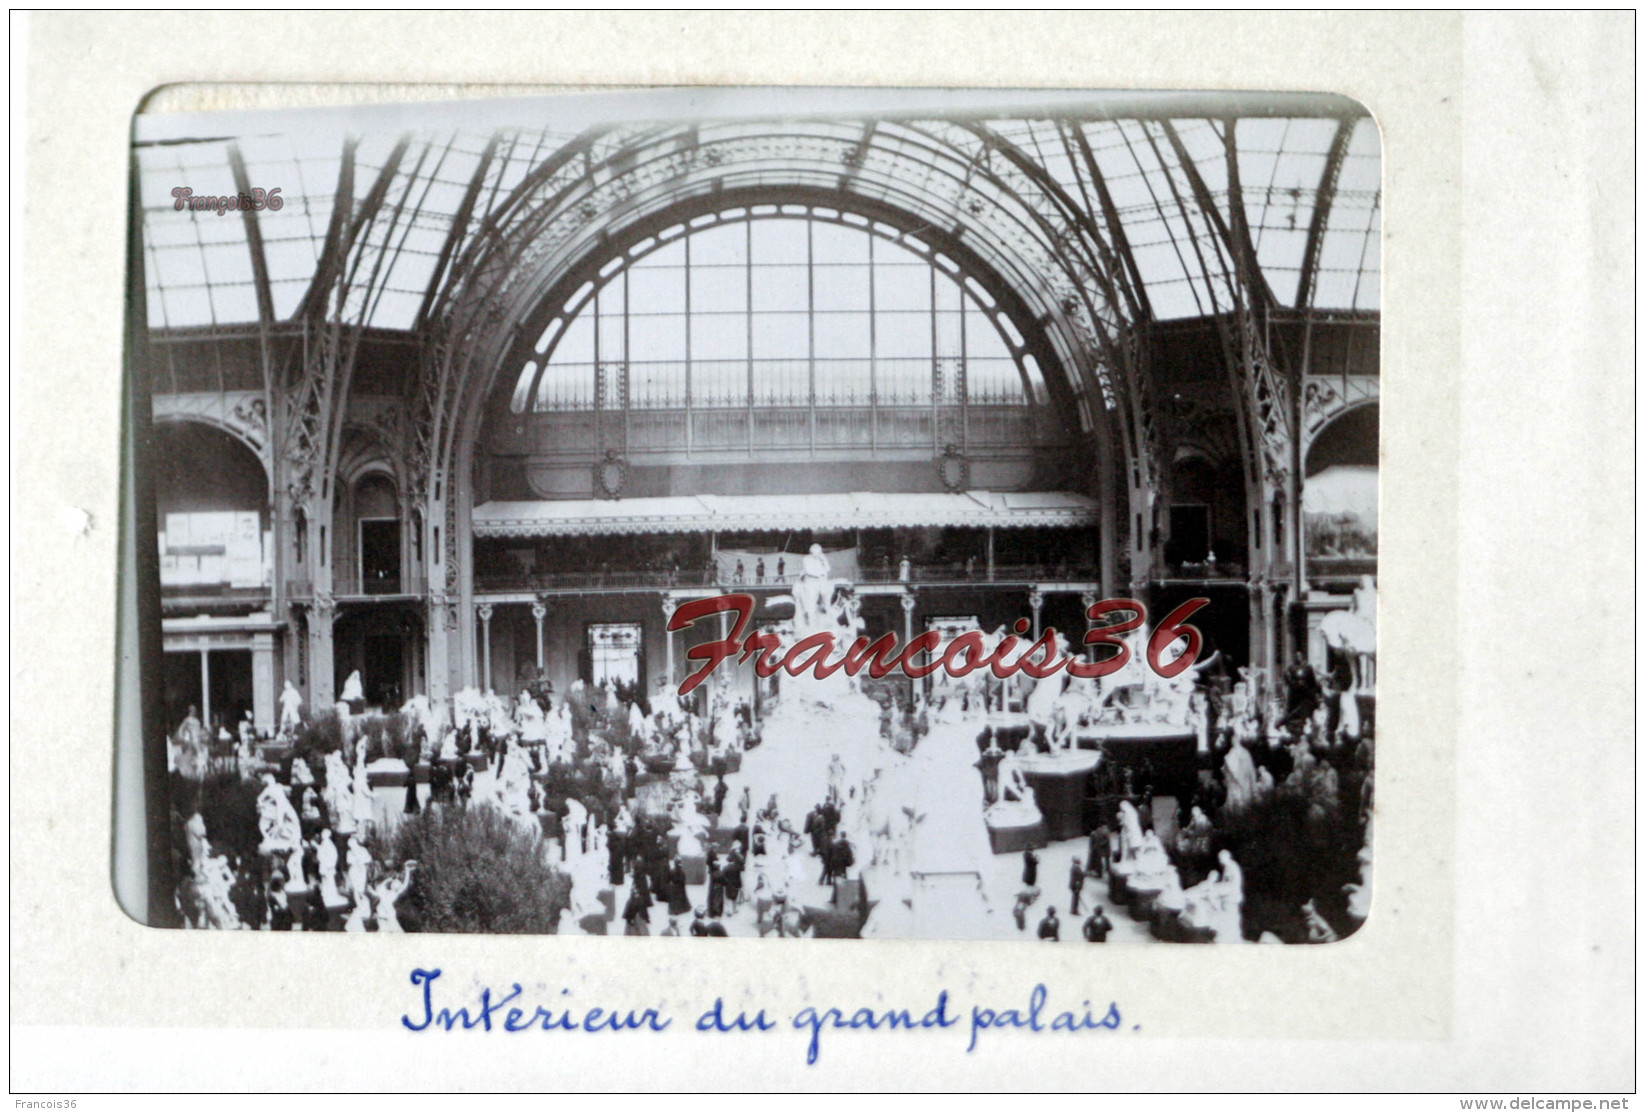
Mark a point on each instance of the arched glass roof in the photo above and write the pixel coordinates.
(778, 306)
(416, 200)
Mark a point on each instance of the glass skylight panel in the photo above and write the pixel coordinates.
(781, 288)
(840, 287)
(199, 265)
(718, 289)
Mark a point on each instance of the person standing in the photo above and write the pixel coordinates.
(1020, 910)
(679, 902)
(1030, 867)
(1076, 886)
(716, 893)
(1097, 926)
(1051, 927)
(1096, 861)
(637, 910)
(1301, 694)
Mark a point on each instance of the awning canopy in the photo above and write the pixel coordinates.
(727, 513)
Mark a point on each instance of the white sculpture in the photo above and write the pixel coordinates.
(1130, 835)
(1240, 777)
(1215, 903)
(327, 853)
(387, 893)
(814, 589)
(1013, 782)
(291, 705)
(689, 827)
(339, 793)
(513, 787)
(353, 689)
(1359, 893)
(1195, 838)
(1353, 632)
(1318, 930)
(362, 795)
(359, 870)
(276, 819)
(213, 878)
(301, 774)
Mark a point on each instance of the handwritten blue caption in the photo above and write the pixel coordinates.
(507, 1012)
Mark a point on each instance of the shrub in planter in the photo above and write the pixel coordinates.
(316, 738)
(477, 871)
(1290, 856)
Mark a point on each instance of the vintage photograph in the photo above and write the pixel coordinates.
(849, 514)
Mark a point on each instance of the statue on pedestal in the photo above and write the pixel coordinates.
(362, 791)
(1214, 904)
(291, 706)
(211, 878)
(1240, 777)
(353, 689)
(359, 870)
(327, 853)
(1017, 806)
(339, 793)
(276, 819)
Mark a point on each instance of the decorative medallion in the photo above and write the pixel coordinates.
(954, 469)
(611, 474)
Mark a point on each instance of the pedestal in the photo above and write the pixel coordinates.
(1059, 782)
(388, 772)
(1016, 839)
(696, 869)
(336, 914)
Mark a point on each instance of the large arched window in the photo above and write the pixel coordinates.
(779, 306)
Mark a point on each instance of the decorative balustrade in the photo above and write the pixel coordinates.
(925, 575)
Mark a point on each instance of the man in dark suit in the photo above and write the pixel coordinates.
(1096, 860)
(1030, 867)
(1051, 927)
(1076, 886)
(1097, 926)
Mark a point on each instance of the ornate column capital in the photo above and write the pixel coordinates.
(907, 600)
(669, 607)
(484, 610)
(1036, 599)
(539, 610)
(1088, 599)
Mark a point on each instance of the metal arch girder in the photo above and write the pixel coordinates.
(1263, 391)
(1324, 198)
(1127, 358)
(814, 201)
(1327, 397)
(584, 199)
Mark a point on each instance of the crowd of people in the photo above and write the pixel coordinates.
(639, 803)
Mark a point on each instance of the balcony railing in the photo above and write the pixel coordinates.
(929, 575)
(362, 587)
(1204, 570)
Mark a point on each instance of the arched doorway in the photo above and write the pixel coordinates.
(213, 529)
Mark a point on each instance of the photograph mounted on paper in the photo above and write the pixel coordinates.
(785, 513)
